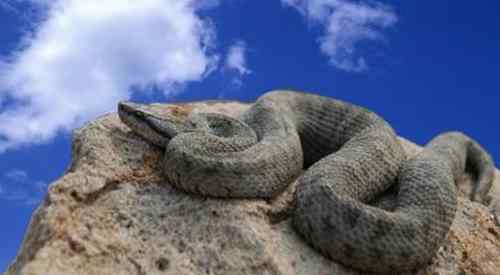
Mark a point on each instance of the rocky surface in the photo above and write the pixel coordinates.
(112, 213)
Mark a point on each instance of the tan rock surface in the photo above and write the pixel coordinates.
(112, 213)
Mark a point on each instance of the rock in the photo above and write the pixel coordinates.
(112, 213)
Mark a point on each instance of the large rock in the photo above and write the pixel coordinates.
(112, 213)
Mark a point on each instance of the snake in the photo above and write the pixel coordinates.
(359, 200)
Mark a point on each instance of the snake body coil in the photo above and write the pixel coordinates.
(352, 156)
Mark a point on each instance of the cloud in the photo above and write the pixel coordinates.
(84, 56)
(346, 24)
(16, 186)
(235, 62)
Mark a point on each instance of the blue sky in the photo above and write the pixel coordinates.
(425, 67)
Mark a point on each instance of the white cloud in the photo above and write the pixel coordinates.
(87, 55)
(16, 186)
(236, 59)
(236, 62)
(346, 23)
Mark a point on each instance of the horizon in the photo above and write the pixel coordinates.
(425, 69)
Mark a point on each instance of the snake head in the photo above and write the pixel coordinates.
(156, 129)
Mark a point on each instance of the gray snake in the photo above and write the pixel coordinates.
(360, 201)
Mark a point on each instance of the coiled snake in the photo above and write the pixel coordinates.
(352, 157)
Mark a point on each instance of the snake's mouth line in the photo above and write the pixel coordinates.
(160, 129)
(136, 113)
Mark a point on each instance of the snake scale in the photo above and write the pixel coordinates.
(360, 202)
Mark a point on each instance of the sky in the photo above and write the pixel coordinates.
(425, 67)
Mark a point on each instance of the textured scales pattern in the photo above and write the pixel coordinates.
(360, 202)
